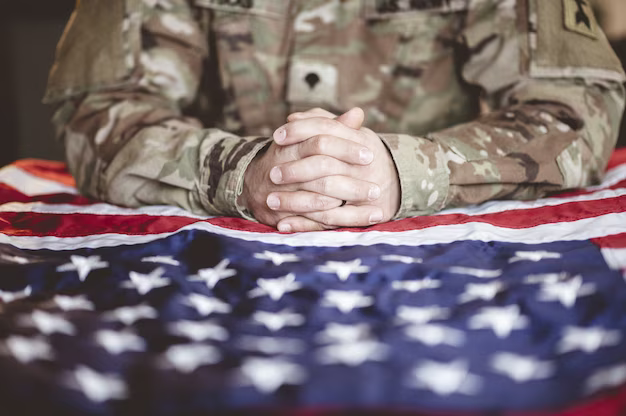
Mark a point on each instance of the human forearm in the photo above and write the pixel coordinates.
(135, 150)
(554, 135)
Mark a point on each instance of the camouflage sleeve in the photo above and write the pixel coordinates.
(125, 70)
(552, 99)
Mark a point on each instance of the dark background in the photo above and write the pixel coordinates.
(29, 32)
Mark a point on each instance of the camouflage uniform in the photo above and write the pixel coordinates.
(167, 101)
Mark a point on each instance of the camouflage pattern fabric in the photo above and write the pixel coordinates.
(168, 101)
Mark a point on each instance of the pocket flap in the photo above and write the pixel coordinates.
(386, 9)
(270, 8)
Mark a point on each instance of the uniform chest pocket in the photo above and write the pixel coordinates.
(422, 91)
(251, 47)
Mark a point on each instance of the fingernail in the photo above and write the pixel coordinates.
(276, 175)
(376, 217)
(366, 155)
(273, 202)
(284, 228)
(280, 135)
(373, 193)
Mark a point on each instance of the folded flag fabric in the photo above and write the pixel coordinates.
(509, 307)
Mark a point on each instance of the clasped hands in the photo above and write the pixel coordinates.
(315, 162)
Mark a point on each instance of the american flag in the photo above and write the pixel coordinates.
(509, 307)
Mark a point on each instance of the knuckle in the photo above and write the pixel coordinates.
(320, 144)
(320, 203)
(323, 185)
(327, 124)
(324, 218)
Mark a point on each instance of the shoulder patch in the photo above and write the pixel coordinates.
(565, 41)
(99, 48)
(579, 18)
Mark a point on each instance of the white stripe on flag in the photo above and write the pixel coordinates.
(98, 209)
(32, 185)
(615, 257)
(164, 210)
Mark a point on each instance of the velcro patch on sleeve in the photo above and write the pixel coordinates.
(579, 18)
(557, 50)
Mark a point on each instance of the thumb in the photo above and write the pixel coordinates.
(352, 118)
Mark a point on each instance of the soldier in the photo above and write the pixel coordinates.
(454, 102)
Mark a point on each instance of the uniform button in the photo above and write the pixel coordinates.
(312, 79)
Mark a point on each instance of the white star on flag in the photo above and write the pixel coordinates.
(275, 321)
(521, 368)
(415, 285)
(130, 314)
(483, 291)
(199, 330)
(401, 259)
(433, 335)
(420, 314)
(534, 256)
(340, 333)
(502, 320)
(26, 350)
(72, 303)
(187, 358)
(481, 273)
(162, 260)
(606, 378)
(206, 305)
(346, 300)
(547, 278)
(277, 258)
(275, 288)
(353, 353)
(343, 270)
(566, 292)
(48, 323)
(7, 297)
(268, 374)
(14, 259)
(445, 378)
(145, 283)
(271, 346)
(99, 387)
(83, 265)
(213, 275)
(117, 342)
(587, 339)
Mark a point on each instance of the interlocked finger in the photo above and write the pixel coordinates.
(347, 216)
(301, 202)
(297, 224)
(343, 188)
(314, 112)
(341, 149)
(303, 129)
(309, 169)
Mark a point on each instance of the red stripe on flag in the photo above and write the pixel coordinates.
(47, 169)
(80, 225)
(611, 241)
(617, 158)
(75, 225)
(10, 194)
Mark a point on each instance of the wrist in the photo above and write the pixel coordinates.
(250, 183)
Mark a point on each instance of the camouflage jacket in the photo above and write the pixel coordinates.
(167, 101)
